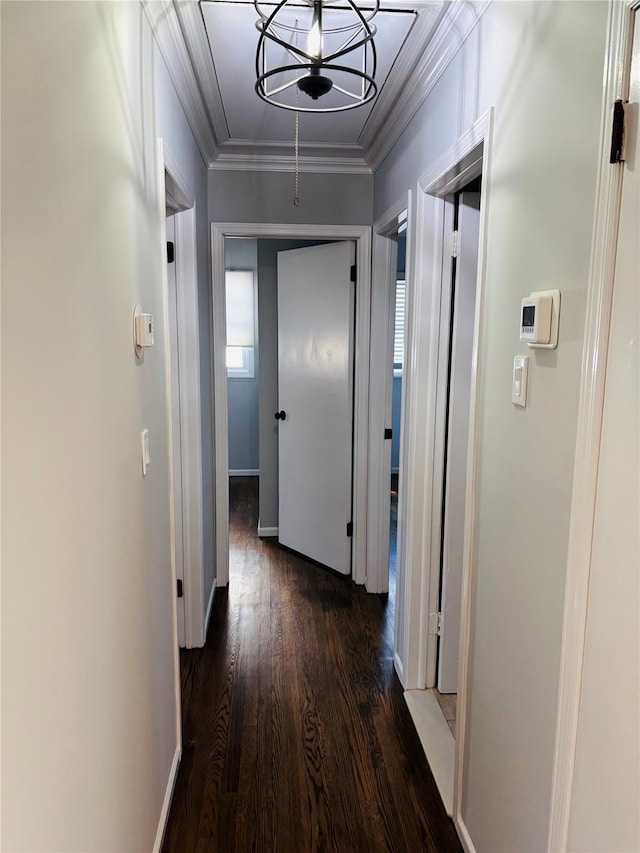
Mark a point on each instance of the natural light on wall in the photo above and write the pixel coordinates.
(240, 294)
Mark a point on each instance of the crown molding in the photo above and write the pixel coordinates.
(170, 39)
(195, 35)
(432, 43)
(286, 163)
(452, 30)
(416, 43)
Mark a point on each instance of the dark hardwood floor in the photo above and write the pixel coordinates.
(296, 734)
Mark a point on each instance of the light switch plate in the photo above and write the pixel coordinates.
(519, 380)
(146, 456)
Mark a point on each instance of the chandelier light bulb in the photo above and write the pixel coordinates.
(314, 40)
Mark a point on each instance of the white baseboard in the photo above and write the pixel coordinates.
(244, 472)
(166, 805)
(399, 667)
(207, 617)
(265, 532)
(463, 835)
(437, 741)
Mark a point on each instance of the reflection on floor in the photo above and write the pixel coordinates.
(296, 734)
(448, 702)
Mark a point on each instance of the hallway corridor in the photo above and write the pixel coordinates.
(296, 736)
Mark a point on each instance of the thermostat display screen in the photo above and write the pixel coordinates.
(528, 316)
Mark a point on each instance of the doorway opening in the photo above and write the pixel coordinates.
(290, 420)
(268, 420)
(398, 359)
(462, 220)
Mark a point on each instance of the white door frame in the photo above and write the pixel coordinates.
(188, 464)
(362, 236)
(590, 419)
(422, 463)
(384, 274)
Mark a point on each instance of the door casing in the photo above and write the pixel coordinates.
(385, 254)
(362, 237)
(188, 463)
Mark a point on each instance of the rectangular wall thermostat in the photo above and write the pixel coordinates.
(144, 330)
(539, 319)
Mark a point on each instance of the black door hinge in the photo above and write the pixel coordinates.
(350, 528)
(617, 133)
(354, 271)
(388, 433)
(171, 252)
(180, 590)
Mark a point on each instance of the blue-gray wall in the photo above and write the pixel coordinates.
(236, 196)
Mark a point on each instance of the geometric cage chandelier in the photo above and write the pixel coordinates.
(314, 56)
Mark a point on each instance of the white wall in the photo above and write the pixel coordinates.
(172, 126)
(88, 642)
(268, 197)
(522, 58)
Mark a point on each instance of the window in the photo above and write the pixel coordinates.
(240, 293)
(398, 339)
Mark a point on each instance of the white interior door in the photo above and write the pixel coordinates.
(315, 376)
(464, 301)
(172, 302)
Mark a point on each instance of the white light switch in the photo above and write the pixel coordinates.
(146, 456)
(520, 375)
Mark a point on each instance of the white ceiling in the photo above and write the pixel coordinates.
(210, 50)
(233, 39)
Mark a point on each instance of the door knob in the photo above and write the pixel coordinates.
(281, 416)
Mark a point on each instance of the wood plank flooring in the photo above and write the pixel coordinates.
(296, 734)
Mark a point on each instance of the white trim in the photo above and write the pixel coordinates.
(590, 414)
(190, 462)
(417, 593)
(362, 236)
(195, 36)
(166, 803)
(171, 43)
(381, 385)
(436, 738)
(445, 176)
(415, 648)
(465, 837)
(161, 202)
(267, 532)
(458, 22)
(397, 662)
(473, 453)
(207, 616)
(437, 438)
(244, 472)
(285, 162)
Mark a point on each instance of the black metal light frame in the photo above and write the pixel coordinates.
(318, 67)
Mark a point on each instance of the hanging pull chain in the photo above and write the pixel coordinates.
(296, 197)
(296, 191)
